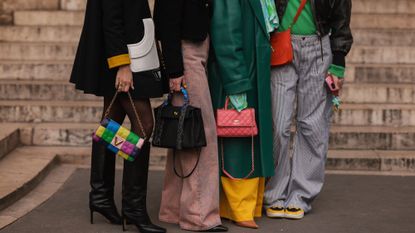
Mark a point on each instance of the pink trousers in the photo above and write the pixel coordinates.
(193, 203)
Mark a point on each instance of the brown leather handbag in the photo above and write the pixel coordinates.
(282, 49)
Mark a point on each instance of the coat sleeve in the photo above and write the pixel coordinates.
(114, 36)
(168, 20)
(227, 41)
(341, 35)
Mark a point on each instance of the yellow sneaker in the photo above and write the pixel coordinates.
(294, 213)
(276, 212)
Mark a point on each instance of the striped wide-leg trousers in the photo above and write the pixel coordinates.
(298, 89)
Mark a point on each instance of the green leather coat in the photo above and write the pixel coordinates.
(240, 62)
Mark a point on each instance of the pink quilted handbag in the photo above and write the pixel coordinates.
(233, 124)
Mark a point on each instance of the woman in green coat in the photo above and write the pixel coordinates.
(240, 69)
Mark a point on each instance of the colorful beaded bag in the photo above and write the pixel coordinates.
(118, 139)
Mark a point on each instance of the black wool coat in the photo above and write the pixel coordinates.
(109, 26)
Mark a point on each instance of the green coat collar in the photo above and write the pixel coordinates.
(256, 7)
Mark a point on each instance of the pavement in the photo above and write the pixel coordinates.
(347, 204)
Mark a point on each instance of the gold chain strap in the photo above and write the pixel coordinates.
(107, 112)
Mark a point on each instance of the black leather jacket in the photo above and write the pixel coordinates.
(330, 16)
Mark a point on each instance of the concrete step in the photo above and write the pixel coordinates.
(375, 115)
(371, 160)
(384, 6)
(35, 70)
(50, 18)
(66, 52)
(40, 33)
(387, 21)
(380, 73)
(21, 170)
(382, 55)
(341, 137)
(73, 5)
(384, 37)
(60, 70)
(42, 90)
(53, 111)
(13, 5)
(350, 160)
(37, 51)
(9, 139)
(373, 37)
(81, 156)
(63, 90)
(378, 93)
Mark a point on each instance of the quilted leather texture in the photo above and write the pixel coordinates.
(231, 123)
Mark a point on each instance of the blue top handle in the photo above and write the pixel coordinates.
(185, 97)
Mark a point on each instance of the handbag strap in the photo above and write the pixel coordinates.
(252, 162)
(194, 168)
(300, 9)
(107, 112)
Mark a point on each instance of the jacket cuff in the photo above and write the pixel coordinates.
(337, 70)
(119, 60)
(339, 58)
(238, 87)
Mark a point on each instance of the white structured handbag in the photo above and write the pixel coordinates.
(143, 55)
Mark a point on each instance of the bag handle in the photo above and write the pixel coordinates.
(191, 172)
(252, 162)
(107, 112)
(300, 9)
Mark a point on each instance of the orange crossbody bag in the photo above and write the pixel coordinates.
(282, 49)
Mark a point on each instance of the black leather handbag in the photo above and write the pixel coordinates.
(179, 127)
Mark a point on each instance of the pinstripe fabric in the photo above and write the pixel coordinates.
(299, 173)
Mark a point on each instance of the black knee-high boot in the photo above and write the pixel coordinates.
(101, 196)
(134, 193)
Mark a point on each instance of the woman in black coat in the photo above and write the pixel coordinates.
(102, 66)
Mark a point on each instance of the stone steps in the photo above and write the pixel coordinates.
(353, 92)
(375, 115)
(360, 93)
(9, 139)
(40, 33)
(66, 52)
(90, 111)
(371, 160)
(380, 73)
(382, 55)
(75, 18)
(359, 6)
(351, 160)
(35, 70)
(49, 18)
(384, 6)
(53, 111)
(37, 51)
(341, 137)
(372, 37)
(21, 170)
(384, 21)
(60, 70)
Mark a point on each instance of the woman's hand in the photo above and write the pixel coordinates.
(176, 84)
(124, 79)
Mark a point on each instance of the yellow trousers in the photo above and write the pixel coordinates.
(241, 200)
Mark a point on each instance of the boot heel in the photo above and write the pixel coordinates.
(92, 216)
(124, 222)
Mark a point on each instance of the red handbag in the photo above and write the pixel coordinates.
(233, 124)
(282, 49)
